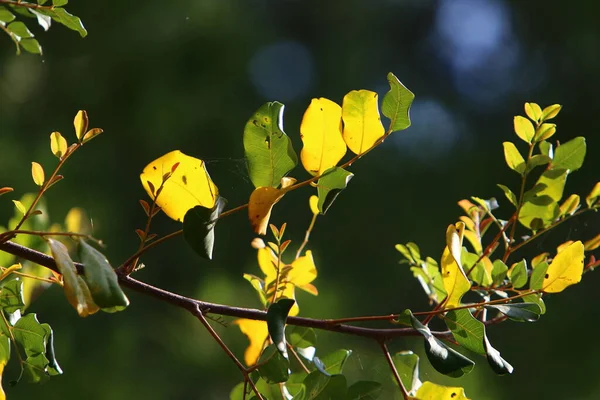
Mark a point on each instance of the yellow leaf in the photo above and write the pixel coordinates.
(267, 261)
(188, 186)
(593, 243)
(81, 123)
(513, 158)
(591, 198)
(570, 205)
(287, 181)
(37, 172)
(313, 202)
(77, 292)
(533, 111)
(303, 270)
(77, 221)
(92, 133)
(58, 144)
(2, 394)
(551, 111)
(321, 133)
(20, 206)
(524, 128)
(260, 205)
(362, 123)
(431, 391)
(544, 132)
(565, 270)
(474, 240)
(257, 333)
(454, 279)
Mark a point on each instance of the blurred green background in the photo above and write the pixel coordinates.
(159, 76)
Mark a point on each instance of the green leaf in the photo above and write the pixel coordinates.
(11, 296)
(538, 212)
(61, 16)
(444, 359)
(498, 364)
(545, 132)
(570, 205)
(520, 312)
(365, 390)
(101, 279)
(334, 361)
(59, 3)
(533, 111)
(537, 276)
(19, 29)
(31, 46)
(407, 365)
(34, 368)
(551, 183)
(535, 298)
(569, 155)
(5, 15)
(274, 367)
(479, 273)
(30, 334)
(514, 159)
(499, 272)
(536, 161)
(53, 367)
(331, 183)
(323, 387)
(267, 148)
(4, 349)
(551, 112)
(300, 336)
(396, 104)
(276, 316)
(466, 329)
(76, 289)
(518, 274)
(524, 129)
(546, 149)
(509, 194)
(199, 227)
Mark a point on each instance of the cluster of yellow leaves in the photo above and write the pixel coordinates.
(280, 281)
(325, 140)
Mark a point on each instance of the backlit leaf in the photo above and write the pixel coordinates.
(565, 269)
(78, 221)
(570, 205)
(76, 290)
(432, 391)
(569, 155)
(592, 244)
(257, 333)
(276, 317)
(188, 186)
(455, 281)
(6, 189)
(313, 202)
(321, 133)
(58, 144)
(591, 198)
(466, 329)
(407, 365)
(514, 159)
(11, 296)
(499, 272)
(396, 104)
(509, 194)
(524, 128)
(362, 123)
(267, 148)
(545, 132)
(31, 45)
(551, 112)
(300, 336)
(20, 207)
(537, 276)
(331, 183)
(37, 172)
(63, 17)
(260, 205)
(533, 111)
(5, 15)
(81, 123)
(19, 29)
(101, 279)
(518, 274)
(199, 227)
(30, 334)
(92, 133)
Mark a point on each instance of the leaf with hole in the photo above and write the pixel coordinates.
(267, 148)
(565, 269)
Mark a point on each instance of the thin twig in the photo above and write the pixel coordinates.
(388, 358)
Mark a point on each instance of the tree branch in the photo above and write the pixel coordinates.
(193, 305)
